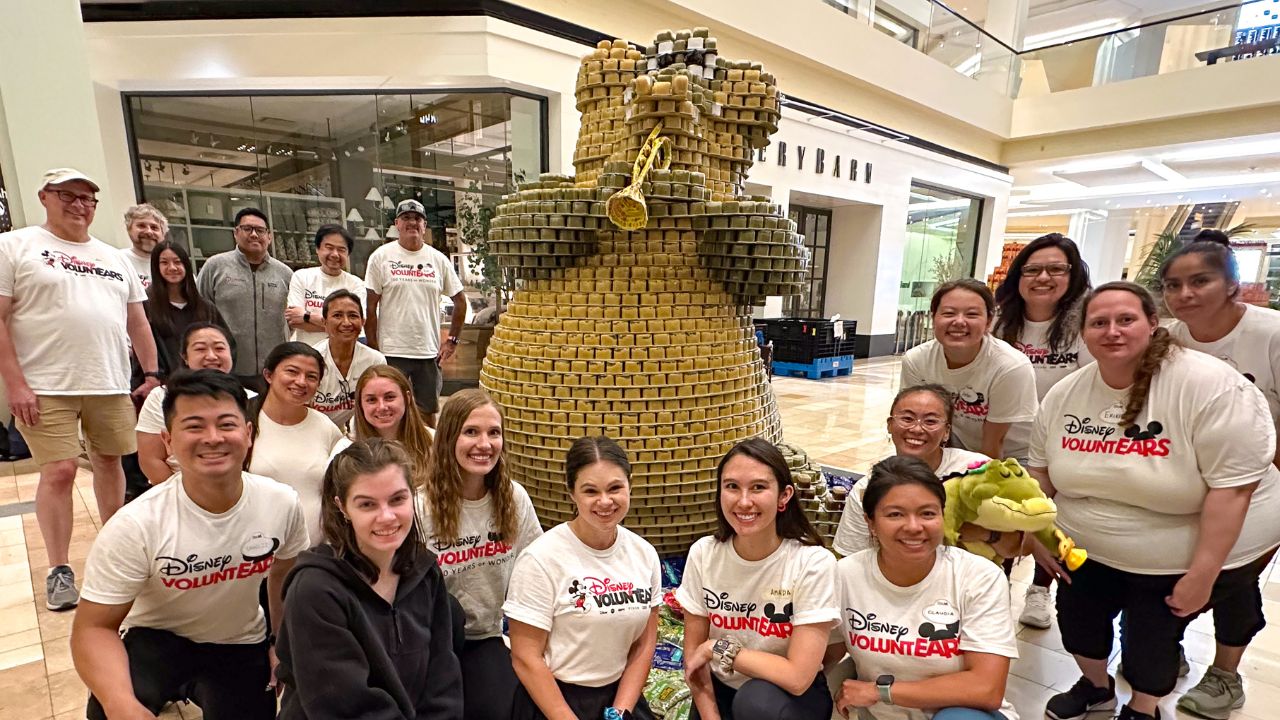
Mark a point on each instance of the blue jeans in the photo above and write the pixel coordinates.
(964, 713)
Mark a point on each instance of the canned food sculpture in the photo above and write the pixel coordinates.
(641, 328)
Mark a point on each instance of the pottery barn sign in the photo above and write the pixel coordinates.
(799, 153)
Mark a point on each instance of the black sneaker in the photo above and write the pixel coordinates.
(1128, 713)
(1083, 698)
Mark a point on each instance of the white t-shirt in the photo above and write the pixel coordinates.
(999, 386)
(477, 564)
(151, 417)
(309, 287)
(297, 455)
(759, 602)
(594, 604)
(1049, 366)
(336, 396)
(923, 631)
(853, 535)
(70, 312)
(1252, 347)
(189, 571)
(1132, 497)
(141, 265)
(410, 285)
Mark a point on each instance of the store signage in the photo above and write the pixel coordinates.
(799, 153)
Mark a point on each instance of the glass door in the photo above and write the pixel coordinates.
(815, 225)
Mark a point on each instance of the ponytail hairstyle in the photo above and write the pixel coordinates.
(1161, 345)
(412, 433)
(279, 354)
(591, 449)
(1214, 254)
(366, 457)
(1064, 328)
(791, 523)
(444, 492)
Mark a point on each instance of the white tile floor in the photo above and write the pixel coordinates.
(839, 421)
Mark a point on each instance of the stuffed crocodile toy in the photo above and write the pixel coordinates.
(1000, 495)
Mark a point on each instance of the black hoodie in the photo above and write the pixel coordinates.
(346, 653)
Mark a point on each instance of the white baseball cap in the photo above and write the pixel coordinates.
(57, 176)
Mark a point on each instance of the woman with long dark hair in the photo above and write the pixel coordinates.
(584, 601)
(1201, 287)
(1038, 313)
(173, 303)
(1159, 459)
(292, 443)
(367, 630)
(759, 597)
(477, 521)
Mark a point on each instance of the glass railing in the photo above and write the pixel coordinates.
(1231, 32)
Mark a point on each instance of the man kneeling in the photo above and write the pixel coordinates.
(180, 570)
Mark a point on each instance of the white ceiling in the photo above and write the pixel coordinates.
(1234, 169)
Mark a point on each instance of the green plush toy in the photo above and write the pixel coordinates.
(999, 495)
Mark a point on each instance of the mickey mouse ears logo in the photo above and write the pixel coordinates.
(1154, 428)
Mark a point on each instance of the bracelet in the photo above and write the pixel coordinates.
(613, 713)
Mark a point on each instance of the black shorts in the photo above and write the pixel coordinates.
(762, 700)
(425, 379)
(587, 703)
(1149, 637)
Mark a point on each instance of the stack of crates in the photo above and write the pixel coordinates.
(808, 346)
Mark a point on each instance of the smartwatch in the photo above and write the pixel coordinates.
(883, 685)
(306, 317)
(724, 652)
(453, 339)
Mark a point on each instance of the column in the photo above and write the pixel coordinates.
(1102, 238)
(50, 116)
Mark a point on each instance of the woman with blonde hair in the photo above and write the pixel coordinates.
(477, 522)
(385, 409)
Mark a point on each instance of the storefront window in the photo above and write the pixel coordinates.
(308, 160)
(815, 225)
(942, 236)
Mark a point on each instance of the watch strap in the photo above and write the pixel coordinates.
(884, 686)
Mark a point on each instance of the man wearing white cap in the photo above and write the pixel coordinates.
(70, 305)
(405, 280)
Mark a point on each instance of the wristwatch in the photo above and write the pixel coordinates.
(453, 339)
(306, 317)
(724, 652)
(883, 684)
(153, 373)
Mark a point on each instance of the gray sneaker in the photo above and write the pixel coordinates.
(60, 589)
(1215, 696)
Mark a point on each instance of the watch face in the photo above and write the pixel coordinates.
(884, 680)
(720, 646)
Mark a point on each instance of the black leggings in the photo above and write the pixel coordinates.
(762, 700)
(488, 680)
(1150, 633)
(587, 703)
(228, 682)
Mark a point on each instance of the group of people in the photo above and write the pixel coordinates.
(321, 538)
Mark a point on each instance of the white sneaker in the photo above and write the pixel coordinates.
(1038, 611)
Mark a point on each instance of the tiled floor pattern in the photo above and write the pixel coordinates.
(840, 422)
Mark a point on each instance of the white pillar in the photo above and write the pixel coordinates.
(1103, 238)
(50, 113)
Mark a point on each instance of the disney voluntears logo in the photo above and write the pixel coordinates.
(471, 551)
(332, 402)
(1103, 436)
(423, 271)
(76, 266)
(728, 614)
(1043, 356)
(607, 595)
(971, 403)
(257, 554)
(937, 636)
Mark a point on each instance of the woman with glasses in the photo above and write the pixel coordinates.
(1039, 314)
(345, 357)
(919, 424)
(992, 383)
(385, 409)
(1201, 287)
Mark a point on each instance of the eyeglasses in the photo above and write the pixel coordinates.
(258, 230)
(1054, 270)
(928, 424)
(71, 198)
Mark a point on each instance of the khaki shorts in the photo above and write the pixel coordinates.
(108, 422)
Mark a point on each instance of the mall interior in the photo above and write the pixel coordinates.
(920, 141)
